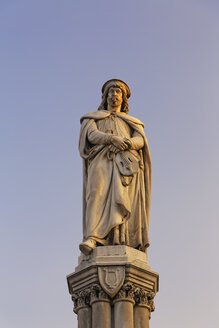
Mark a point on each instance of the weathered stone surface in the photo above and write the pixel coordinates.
(134, 287)
(116, 174)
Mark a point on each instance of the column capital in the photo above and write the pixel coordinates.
(144, 298)
(97, 294)
(81, 299)
(126, 293)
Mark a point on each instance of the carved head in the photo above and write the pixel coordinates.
(110, 87)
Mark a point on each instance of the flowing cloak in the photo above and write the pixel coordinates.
(91, 153)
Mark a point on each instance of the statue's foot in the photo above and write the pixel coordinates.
(87, 246)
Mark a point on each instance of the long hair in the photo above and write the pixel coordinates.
(124, 106)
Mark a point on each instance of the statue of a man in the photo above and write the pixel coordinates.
(116, 173)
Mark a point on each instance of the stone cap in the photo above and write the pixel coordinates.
(127, 262)
(113, 255)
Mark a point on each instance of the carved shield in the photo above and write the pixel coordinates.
(111, 278)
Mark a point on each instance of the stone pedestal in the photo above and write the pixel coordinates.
(113, 288)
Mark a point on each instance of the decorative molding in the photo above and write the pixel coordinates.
(126, 294)
(129, 292)
(144, 298)
(81, 299)
(98, 294)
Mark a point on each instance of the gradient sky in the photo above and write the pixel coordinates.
(54, 57)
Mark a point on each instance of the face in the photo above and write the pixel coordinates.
(114, 97)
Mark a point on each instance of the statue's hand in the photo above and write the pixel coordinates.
(119, 142)
(128, 143)
(114, 149)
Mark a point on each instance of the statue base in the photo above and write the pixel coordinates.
(113, 287)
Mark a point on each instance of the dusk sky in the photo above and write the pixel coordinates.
(55, 56)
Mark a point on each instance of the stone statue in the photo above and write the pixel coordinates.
(116, 173)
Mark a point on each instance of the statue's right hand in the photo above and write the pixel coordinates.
(119, 142)
(114, 149)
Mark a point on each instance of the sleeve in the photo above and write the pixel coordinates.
(137, 142)
(97, 137)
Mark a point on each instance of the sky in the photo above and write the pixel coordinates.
(55, 56)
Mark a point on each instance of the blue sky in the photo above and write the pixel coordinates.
(55, 55)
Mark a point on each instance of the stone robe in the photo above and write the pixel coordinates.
(109, 206)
